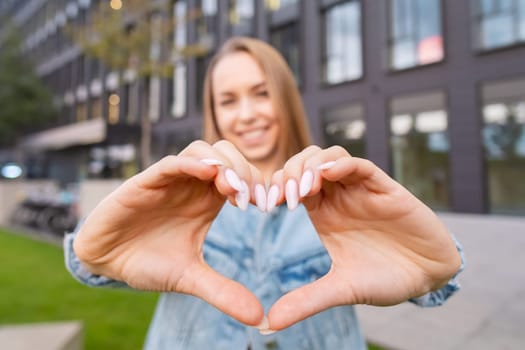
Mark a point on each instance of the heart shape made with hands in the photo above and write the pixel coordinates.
(385, 245)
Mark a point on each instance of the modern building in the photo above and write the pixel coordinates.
(433, 91)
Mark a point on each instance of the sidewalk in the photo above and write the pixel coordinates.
(488, 312)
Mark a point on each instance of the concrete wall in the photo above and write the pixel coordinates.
(14, 191)
(90, 192)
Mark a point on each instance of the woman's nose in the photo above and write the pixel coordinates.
(246, 110)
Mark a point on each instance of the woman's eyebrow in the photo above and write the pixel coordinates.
(258, 85)
(254, 87)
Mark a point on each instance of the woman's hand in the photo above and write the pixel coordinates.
(150, 232)
(386, 246)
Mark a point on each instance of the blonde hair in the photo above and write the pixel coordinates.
(283, 92)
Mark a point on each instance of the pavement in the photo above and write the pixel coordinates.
(42, 336)
(489, 310)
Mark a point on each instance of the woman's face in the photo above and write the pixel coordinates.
(243, 109)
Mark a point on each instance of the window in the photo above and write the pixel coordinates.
(415, 36)
(286, 40)
(241, 17)
(420, 146)
(201, 64)
(504, 144)
(81, 112)
(275, 5)
(96, 107)
(207, 23)
(342, 52)
(345, 126)
(498, 23)
(207, 28)
(178, 106)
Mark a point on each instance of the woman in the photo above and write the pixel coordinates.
(348, 233)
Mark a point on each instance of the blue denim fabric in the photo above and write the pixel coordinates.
(270, 254)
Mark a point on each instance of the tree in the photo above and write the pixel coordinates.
(25, 103)
(135, 37)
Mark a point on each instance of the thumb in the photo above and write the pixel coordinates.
(228, 296)
(307, 301)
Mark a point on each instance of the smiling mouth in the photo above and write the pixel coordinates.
(253, 135)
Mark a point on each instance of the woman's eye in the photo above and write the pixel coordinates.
(226, 102)
(262, 93)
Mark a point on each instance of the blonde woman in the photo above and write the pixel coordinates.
(253, 221)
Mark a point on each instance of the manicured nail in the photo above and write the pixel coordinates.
(260, 197)
(271, 200)
(211, 161)
(292, 197)
(233, 180)
(264, 327)
(243, 197)
(326, 165)
(264, 324)
(307, 180)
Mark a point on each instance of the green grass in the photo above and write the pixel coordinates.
(35, 287)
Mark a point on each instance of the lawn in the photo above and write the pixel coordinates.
(35, 287)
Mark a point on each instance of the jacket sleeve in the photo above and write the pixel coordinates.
(79, 272)
(438, 297)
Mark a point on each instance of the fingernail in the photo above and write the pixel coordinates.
(264, 327)
(326, 165)
(271, 201)
(211, 161)
(307, 181)
(243, 197)
(264, 324)
(260, 197)
(233, 180)
(292, 197)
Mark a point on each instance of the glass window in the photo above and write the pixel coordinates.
(286, 40)
(113, 108)
(81, 112)
(345, 126)
(415, 33)
(178, 106)
(521, 14)
(498, 23)
(275, 5)
(96, 107)
(207, 23)
(241, 17)
(342, 56)
(207, 28)
(504, 144)
(420, 146)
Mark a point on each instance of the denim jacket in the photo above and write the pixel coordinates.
(269, 253)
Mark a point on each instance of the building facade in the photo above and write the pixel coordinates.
(433, 91)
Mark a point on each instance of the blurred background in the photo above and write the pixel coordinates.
(93, 91)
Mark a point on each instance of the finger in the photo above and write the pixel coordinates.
(171, 167)
(298, 180)
(350, 171)
(307, 301)
(311, 185)
(275, 194)
(231, 180)
(239, 175)
(228, 296)
(258, 188)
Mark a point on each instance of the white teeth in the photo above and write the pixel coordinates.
(253, 134)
